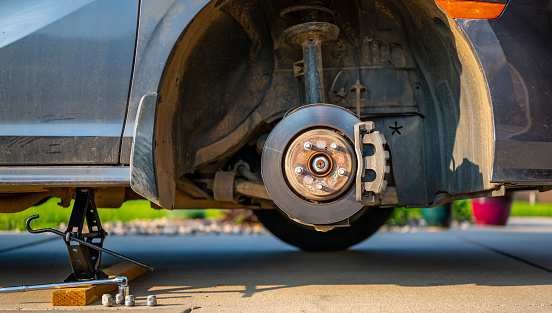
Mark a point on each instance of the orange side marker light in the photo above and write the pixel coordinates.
(471, 9)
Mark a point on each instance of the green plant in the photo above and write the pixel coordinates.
(462, 210)
(402, 215)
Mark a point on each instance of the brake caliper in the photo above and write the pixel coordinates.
(371, 164)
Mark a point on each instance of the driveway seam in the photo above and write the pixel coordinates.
(30, 244)
(503, 253)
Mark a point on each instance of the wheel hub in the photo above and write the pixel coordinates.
(318, 165)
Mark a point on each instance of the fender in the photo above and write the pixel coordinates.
(509, 48)
(161, 24)
(208, 76)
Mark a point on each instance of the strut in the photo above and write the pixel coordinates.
(311, 34)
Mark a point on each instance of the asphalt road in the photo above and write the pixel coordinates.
(480, 269)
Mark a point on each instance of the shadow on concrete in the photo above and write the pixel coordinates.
(248, 265)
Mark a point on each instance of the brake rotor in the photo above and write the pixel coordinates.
(309, 164)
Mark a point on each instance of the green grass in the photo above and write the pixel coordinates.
(51, 215)
(401, 215)
(526, 209)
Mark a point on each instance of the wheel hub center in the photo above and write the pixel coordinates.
(320, 164)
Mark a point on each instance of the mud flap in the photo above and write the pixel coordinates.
(142, 169)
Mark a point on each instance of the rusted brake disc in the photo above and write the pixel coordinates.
(309, 164)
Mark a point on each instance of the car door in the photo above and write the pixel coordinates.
(65, 74)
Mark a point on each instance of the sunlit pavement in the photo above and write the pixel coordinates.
(478, 269)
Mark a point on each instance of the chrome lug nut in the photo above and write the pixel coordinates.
(119, 299)
(334, 146)
(129, 300)
(152, 300)
(319, 187)
(298, 171)
(341, 171)
(307, 145)
(107, 300)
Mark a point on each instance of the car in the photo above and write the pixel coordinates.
(321, 116)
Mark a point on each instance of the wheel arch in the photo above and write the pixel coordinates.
(462, 121)
(196, 103)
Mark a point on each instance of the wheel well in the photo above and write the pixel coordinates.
(230, 75)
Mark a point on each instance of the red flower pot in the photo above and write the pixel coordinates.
(492, 211)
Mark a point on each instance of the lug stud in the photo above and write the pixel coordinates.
(334, 146)
(341, 171)
(298, 171)
(319, 187)
(307, 145)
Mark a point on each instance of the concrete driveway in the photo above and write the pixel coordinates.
(480, 269)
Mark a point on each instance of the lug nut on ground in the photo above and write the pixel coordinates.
(119, 299)
(152, 300)
(107, 300)
(129, 300)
